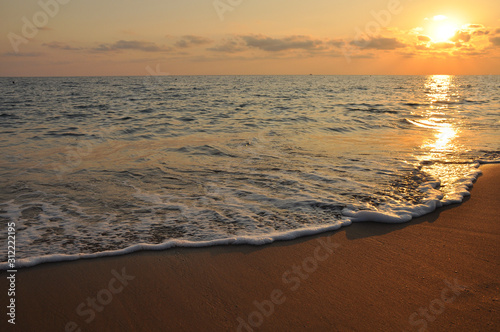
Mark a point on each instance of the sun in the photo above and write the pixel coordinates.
(444, 32)
(442, 28)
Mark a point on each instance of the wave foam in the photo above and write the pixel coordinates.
(389, 213)
(243, 240)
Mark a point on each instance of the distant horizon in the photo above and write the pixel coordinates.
(64, 38)
(184, 75)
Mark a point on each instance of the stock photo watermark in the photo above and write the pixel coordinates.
(223, 6)
(87, 310)
(11, 272)
(152, 80)
(39, 20)
(291, 280)
(424, 315)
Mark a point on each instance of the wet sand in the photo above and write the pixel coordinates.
(439, 272)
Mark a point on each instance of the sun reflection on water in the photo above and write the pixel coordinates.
(441, 149)
(442, 141)
(441, 118)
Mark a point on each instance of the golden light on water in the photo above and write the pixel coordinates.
(438, 88)
(443, 136)
(440, 120)
(440, 148)
(439, 116)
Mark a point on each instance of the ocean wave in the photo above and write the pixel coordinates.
(232, 160)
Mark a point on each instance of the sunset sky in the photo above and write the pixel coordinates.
(102, 37)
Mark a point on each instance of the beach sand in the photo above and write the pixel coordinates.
(439, 272)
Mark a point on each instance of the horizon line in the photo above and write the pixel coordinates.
(178, 75)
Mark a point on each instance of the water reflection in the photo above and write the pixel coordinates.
(438, 88)
(442, 141)
(441, 117)
(441, 150)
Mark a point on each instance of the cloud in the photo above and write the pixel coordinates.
(461, 36)
(463, 39)
(379, 43)
(61, 46)
(470, 40)
(436, 46)
(477, 29)
(26, 54)
(471, 30)
(229, 46)
(481, 32)
(424, 38)
(422, 47)
(282, 44)
(495, 41)
(274, 45)
(311, 45)
(475, 26)
(443, 45)
(474, 53)
(191, 41)
(336, 42)
(144, 46)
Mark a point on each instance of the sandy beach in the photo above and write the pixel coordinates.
(249, 166)
(437, 273)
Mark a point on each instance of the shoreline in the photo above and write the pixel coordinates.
(257, 240)
(438, 271)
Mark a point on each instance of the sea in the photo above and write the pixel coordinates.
(99, 166)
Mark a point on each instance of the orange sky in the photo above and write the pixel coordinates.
(93, 38)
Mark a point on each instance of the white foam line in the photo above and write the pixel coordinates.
(404, 216)
(249, 240)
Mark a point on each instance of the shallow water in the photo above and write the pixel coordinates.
(90, 165)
